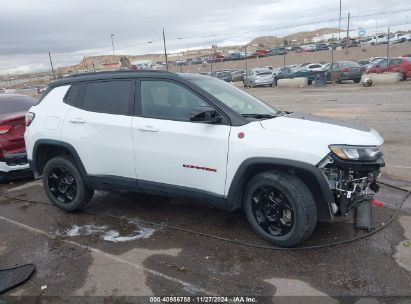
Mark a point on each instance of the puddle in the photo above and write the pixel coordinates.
(107, 234)
(403, 249)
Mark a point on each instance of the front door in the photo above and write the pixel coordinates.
(170, 149)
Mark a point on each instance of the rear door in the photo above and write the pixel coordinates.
(169, 149)
(98, 126)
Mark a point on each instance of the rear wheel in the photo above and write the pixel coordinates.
(64, 185)
(357, 80)
(280, 208)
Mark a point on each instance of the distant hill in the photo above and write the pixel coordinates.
(300, 37)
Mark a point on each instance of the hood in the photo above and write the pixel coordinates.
(333, 131)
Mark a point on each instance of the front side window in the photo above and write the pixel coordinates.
(395, 61)
(112, 97)
(168, 100)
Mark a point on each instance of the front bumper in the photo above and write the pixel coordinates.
(350, 182)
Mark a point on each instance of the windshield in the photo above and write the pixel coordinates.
(236, 99)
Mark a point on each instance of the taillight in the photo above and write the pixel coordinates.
(29, 118)
(4, 129)
(345, 69)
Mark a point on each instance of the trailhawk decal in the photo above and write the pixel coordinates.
(199, 168)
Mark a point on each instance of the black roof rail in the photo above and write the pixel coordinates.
(113, 72)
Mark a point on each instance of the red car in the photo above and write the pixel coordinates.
(260, 53)
(400, 64)
(13, 160)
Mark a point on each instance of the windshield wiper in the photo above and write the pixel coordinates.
(259, 116)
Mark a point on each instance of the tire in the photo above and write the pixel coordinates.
(310, 82)
(357, 80)
(3, 177)
(403, 76)
(64, 185)
(289, 192)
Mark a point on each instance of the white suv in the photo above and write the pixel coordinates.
(193, 135)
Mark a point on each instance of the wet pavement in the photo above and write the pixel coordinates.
(106, 250)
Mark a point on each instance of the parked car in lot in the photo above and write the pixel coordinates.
(278, 51)
(237, 75)
(316, 67)
(197, 60)
(233, 56)
(216, 58)
(223, 75)
(13, 160)
(344, 70)
(401, 65)
(321, 47)
(188, 135)
(289, 73)
(260, 53)
(258, 77)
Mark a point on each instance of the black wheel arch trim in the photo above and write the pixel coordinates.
(312, 176)
(56, 143)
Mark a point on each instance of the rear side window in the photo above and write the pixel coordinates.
(112, 97)
(15, 104)
(72, 94)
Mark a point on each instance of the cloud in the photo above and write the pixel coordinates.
(70, 29)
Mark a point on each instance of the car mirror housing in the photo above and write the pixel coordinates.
(205, 115)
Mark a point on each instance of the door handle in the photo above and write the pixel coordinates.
(77, 120)
(147, 129)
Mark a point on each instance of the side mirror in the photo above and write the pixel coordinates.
(205, 115)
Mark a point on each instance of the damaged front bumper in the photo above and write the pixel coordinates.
(351, 182)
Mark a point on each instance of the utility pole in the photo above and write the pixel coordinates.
(348, 30)
(284, 51)
(52, 68)
(246, 59)
(112, 43)
(388, 48)
(332, 52)
(339, 25)
(165, 48)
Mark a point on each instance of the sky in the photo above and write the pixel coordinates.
(72, 29)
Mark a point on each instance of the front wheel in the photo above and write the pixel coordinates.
(64, 185)
(280, 208)
(357, 80)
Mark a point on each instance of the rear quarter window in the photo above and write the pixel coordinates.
(73, 94)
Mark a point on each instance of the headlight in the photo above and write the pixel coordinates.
(365, 153)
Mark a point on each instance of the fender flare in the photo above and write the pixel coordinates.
(312, 176)
(56, 143)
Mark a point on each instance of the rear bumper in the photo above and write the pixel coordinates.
(264, 82)
(14, 162)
